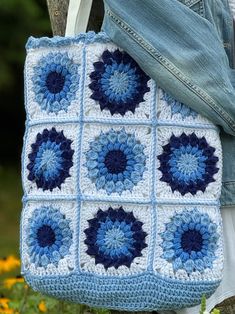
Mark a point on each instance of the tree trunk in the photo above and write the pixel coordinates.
(58, 10)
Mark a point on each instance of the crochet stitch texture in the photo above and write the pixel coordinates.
(116, 161)
(118, 83)
(50, 159)
(55, 82)
(115, 237)
(49, 237)
(121, 182)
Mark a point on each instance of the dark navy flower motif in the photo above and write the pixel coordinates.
(190, 241)
(55, 82)
(115, 161)
(49, 236)
(178, 107)
(115, 238)
(118, 83)
(50, 159)
(188, 163)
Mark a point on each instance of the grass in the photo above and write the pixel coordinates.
(10, 209)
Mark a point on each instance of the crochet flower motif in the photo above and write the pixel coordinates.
(115, 238)
(115, 161)
(188, 163)
(49, 236)
(50, 159)
(55, 82)
(118, 83)
(178, 107)
(190, 241)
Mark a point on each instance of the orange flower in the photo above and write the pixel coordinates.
(42, 307)
(10, 282)
(4, 303)
(6, 311)
(8, 263)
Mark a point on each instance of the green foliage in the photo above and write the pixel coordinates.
(203, 305)
(10, 205)
(19, 20)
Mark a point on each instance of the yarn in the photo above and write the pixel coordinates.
(188, 163)
(49, 236)
(190, 241)
(115, 237)
(118, 83)
(121, 182)
(55, 82)
(50, 159)
(115, 161)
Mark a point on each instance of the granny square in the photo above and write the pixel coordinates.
(49, 238)
(50, 159)
(189, 163)
(52, 82)
(115, 86)
(121, 182)
(101, 221)
(189, 246)
(116, 161)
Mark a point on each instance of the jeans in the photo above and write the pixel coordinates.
(187, 46)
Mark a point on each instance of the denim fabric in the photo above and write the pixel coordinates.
(187, 46)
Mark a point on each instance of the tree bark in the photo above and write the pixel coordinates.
(58, 10)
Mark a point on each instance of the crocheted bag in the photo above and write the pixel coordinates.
(121, 182)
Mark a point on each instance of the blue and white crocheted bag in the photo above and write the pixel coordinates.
(121, 182)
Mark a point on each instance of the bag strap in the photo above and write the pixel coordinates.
(78, 17)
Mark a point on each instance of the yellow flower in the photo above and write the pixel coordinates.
(8, 263)
(42, 307)
(4, 308)
(6, 311)
(9, 282)
(4, 303)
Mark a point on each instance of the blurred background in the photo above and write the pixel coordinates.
(19, 19)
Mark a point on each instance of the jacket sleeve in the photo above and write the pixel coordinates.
(181, 50)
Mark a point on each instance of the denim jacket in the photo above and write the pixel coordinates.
(187, 47)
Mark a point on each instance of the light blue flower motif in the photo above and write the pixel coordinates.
(49, 236)
(190, 241)
(178, 107)
(186, 165)
(55, 82)
(115, 161)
